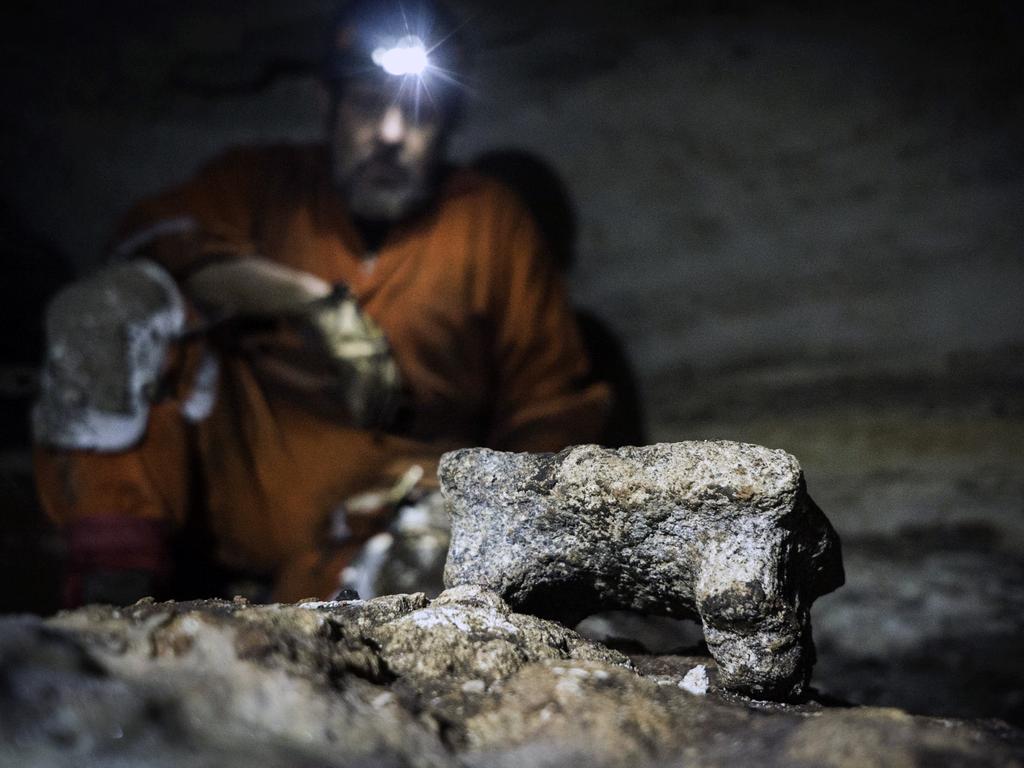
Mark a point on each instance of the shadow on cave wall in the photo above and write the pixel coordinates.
(547, 198)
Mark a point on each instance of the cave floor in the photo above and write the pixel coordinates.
(926, 488)
(928, 497)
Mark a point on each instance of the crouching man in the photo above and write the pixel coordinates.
(284, 346)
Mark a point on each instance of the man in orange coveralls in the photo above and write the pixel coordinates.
(297, 326)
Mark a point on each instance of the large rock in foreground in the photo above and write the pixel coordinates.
(403, 681)
(717, 530)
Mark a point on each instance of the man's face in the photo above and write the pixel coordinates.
(384, 149)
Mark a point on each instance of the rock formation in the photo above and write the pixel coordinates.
(717, 530)
(403, 681)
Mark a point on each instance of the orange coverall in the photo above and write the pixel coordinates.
(478, 322)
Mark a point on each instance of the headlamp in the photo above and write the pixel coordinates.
(407, 57)
(413, 46)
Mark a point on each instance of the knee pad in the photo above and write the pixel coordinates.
(107, 338)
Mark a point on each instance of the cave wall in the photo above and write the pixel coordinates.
(801, 189)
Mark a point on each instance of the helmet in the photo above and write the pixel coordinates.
(415, 44)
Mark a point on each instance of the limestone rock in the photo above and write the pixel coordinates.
(311, 680)
(403, 681)
(556, 714)
(252, 675)
(717, 530)
(471, 633)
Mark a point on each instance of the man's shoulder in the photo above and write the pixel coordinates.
(475, 191)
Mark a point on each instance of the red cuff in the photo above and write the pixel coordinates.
(113, 544)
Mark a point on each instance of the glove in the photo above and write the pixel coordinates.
(361, 356)
(409, 556)
(361, 516)
(360, 370)
(358, 521)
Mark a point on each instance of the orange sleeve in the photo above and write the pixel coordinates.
(543, 400)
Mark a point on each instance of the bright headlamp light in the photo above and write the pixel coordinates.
(421, 55)
(407, 57)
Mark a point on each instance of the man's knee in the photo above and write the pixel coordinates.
(107, 342)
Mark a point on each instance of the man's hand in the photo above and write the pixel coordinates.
(255, 287)
(350, 357)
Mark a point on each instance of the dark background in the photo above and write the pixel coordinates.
(802, 221)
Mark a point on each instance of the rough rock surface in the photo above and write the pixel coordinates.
(403, 681)
(720, 530)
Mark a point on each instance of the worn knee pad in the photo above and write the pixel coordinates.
(106, 344)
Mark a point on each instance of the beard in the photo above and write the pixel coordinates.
(383, 188)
